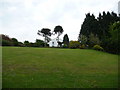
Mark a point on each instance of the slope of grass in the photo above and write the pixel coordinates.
(25, 67)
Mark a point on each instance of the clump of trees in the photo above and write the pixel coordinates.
(102, 31)
(46, 32)
(37, 43)
(7, 41)
(112, 43)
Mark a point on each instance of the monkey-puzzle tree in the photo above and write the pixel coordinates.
(45, 32)
(58, 30)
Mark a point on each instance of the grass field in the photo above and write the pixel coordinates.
(25, 67)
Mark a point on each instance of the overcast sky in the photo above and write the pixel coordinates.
(23, 18)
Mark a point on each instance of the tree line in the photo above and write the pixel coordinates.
(7, 41)
(103, 31)
(100, 33)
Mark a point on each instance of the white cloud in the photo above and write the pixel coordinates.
(22, 18)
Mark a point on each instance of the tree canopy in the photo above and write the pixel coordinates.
(45, 32)
(97, 29)
(58, 30)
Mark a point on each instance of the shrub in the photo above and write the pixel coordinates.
(6, 43)
(65, 46)
(74, 44)
(98, 47)
(82, 46)
(93, 40)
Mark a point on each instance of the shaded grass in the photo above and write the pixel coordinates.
(25, 67)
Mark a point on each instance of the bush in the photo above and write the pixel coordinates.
(65, 46)
(98, 47)
(15, 42)
(74, 44)
(6, 43)
(93, 40)
(82, 46)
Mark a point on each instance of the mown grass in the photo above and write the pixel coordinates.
(25, 67)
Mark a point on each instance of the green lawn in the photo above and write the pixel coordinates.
(25, 67)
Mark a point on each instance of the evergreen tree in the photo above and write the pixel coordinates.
(45, 32)
(99, 27)
(66, 40)
(90, 25)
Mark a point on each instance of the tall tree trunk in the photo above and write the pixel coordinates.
(58, 41)
(58, 38)
(45, 41)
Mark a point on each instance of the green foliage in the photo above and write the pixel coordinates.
(39, 43)
(93, 40)
(26, 43)
(65, 46)
(21, 44)
(74, 44)
(15, 42)
(45, 32)
(90, 25)
(100, 31)
(58, 29)
(99, 26)
(66, 40)
(115, 31)
(6, 43)
(82, 46)
(111, 44)
(104, 21)
(82, 39)
(98, 47)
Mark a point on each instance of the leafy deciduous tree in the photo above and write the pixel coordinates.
(26, 43)
(39, 43)
(15, 41)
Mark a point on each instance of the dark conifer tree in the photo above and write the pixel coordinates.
(66, 40)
